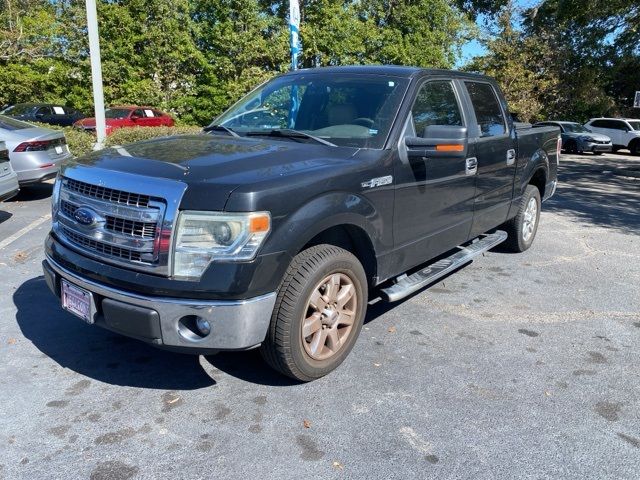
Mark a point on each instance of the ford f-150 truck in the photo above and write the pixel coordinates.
(271, 229)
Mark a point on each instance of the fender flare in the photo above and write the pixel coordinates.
(332, 209)
(539, 160)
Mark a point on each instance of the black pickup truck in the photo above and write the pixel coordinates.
(315, 192)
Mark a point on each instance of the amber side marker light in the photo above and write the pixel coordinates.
(259, 224)
(449, 148)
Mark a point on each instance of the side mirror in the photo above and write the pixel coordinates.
(439, 141)
(135, 118)
(39, 115)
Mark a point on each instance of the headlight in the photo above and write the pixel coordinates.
(203, 237)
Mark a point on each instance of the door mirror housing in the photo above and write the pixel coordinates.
(135, 118)
(439, 141)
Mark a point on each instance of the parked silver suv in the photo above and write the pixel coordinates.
(624, 132)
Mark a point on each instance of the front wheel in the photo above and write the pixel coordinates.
(523, 227)
(318, 313)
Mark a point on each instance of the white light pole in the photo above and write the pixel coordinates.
(96, 73)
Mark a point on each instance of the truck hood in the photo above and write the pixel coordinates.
(213, 166)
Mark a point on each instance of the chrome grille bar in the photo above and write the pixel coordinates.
(105, 193)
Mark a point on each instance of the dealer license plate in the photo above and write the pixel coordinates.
(77, 301)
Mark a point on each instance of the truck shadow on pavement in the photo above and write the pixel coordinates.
(98, 353)
(33, 192)
(597, 193)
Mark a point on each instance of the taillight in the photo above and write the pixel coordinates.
(39, 145)
(558, 149)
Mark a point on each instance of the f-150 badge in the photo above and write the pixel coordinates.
(378, 182)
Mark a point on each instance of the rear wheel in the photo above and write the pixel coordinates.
(318, 314)
(523, 227)
(597, 153)
(634, 147)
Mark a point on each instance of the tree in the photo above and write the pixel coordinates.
(523, 66)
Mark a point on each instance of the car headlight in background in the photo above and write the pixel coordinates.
(204, 237)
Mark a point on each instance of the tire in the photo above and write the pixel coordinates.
(571, 147)
(518, 241)
(597, 153)
(634, 148)
(312, 270)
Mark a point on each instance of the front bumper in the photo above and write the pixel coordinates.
(235, 324)
(596, 147)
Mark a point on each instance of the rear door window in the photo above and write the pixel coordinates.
(436, 104)
(487, 109)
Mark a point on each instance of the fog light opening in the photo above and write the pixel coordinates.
(193, 327)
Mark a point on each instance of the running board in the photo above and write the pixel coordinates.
(406, 285)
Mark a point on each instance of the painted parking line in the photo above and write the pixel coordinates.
(23, 231)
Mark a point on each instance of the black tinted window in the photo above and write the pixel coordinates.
(613, 124)
(598, 124)
(435, 104)
(487, 108)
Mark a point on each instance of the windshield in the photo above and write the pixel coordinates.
(18, 109)
(116, 112)
(635, 124)
(574, 128)
(8, 123)
(345, 109)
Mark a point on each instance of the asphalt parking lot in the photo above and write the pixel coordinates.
(516, 366)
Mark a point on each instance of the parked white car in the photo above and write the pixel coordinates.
(624, 132)
(8, 178)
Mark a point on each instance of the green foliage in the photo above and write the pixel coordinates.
(193, 58)
(570, 60)
(81, 142)
(520, 63)
(123, 136)
(78, 141)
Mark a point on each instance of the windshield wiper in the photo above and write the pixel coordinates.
(289, 133)
(220, 128)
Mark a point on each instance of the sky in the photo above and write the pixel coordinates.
(474, 48)
(470, 50)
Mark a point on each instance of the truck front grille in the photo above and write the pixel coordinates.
(100, 247)
(130, 227)
(115, 225)
(107, 194)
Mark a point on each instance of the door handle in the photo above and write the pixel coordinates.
(471, 166)
(511, 156)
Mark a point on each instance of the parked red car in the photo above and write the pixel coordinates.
(131, 116)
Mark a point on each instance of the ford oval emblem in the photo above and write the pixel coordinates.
(85, 216)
